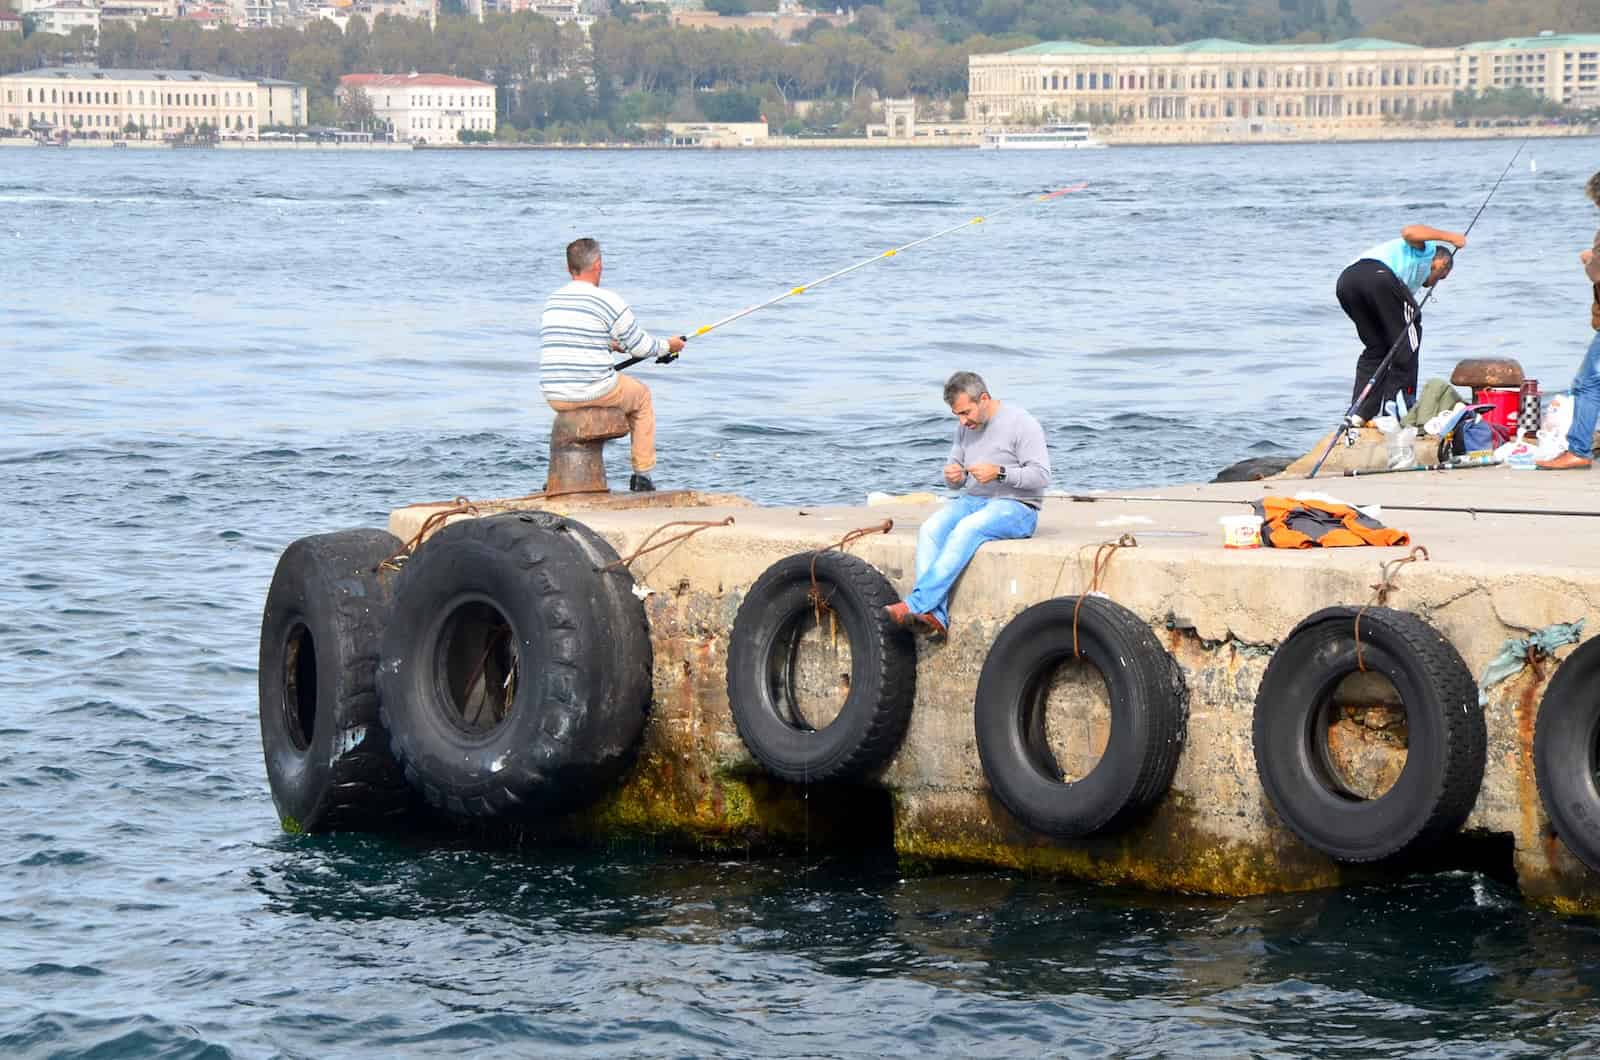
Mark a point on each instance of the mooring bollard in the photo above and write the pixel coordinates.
(577, 449)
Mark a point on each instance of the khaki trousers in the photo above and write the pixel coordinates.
(633, 398)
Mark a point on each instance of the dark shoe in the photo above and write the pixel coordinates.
(929, 625)
(1568, 461)
(899, 614)
(641, 483)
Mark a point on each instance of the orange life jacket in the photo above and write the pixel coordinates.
(1290, 523)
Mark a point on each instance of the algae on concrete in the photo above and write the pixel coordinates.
(1219, 612)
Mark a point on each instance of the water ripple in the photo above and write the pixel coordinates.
(326, 365)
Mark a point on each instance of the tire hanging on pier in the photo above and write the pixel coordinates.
(1148, 715)
(1566, 756)
(327, 753)
(1446, 735)
(763, 669)
(516, 673)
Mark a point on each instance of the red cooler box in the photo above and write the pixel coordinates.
(1507, 402)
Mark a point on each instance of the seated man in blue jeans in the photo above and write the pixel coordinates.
(999, 456)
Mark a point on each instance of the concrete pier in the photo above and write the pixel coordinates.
(1221, 613)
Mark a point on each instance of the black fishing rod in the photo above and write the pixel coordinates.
(1090, 498)
(668, 358)
(1383, 366)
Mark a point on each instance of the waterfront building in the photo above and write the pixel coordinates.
(1564, 67)
(280, 103)
(715, 133)
(165, 104)
(431, 108)
(899, 120)
(1214, 84)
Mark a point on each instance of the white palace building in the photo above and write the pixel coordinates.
(164, 104)
(430, 108)
(1211, 84)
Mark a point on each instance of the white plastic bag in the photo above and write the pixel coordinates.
(1433, 427)
(1401, 452)
(1554, 423)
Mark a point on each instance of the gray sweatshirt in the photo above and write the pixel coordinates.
(1014, 440)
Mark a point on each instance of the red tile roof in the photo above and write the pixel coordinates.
(406, 80)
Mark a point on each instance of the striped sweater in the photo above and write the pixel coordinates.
(575, 357)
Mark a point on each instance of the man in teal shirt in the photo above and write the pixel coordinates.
(1378, 294)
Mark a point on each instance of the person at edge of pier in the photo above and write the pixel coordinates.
(1378, 293)
(582, 326)
(1586, 387)
(999, 458)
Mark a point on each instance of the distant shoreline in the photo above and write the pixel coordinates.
(1132, 138)
(1111, 137)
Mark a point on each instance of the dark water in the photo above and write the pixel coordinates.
(209, 354)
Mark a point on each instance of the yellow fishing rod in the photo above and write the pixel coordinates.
(668, 358)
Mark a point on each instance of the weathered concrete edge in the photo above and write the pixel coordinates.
(1220, 614)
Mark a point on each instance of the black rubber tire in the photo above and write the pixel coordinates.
(883, 671)
(1446, 745)
(1566, 752)
(1148, 706)
(577, 637)
(632, 676)
(327, 753)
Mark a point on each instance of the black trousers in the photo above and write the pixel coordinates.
(1384, 314)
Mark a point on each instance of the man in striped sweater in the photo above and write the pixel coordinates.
(582, 327)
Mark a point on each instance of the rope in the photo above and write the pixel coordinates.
(1106, 550)
(645, 546)
(1380, 592)
(459, 506)
(480, 673)
(464, 506)
(817, 602)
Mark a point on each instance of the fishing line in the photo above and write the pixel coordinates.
(1090, 498)
(1383, 366)
(668, 358)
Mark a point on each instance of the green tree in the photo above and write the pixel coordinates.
(324, 111)
(730, 105)
(355, 109)
(353, 48)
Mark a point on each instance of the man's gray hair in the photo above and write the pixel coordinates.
(968, 383)
(582, 253)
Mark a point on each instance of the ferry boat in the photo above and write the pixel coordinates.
(1046, 138)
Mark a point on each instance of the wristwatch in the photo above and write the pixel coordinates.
(1002, 476)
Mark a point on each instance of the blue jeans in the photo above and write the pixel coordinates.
(1585, 402)
(947, 542)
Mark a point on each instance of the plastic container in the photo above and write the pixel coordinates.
(1507, 402)
(1241, 531)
